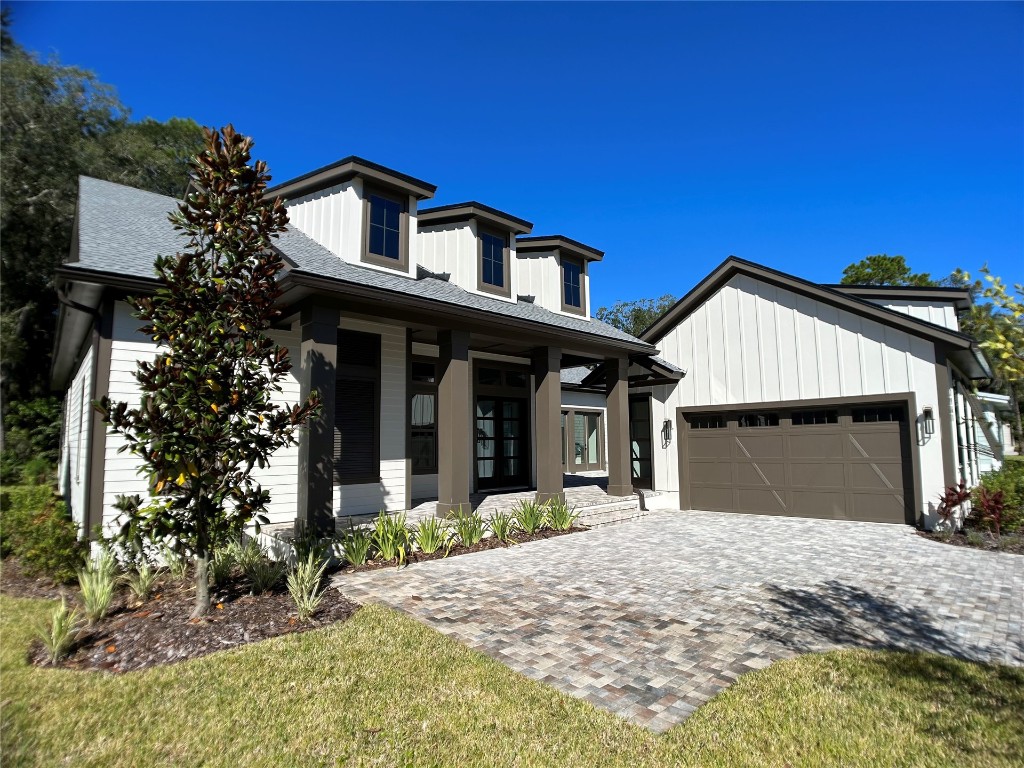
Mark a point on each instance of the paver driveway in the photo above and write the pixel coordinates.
(652, 618)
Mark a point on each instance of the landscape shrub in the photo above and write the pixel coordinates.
(36, 527)
(96, 582)
(559, 515)
(502, 525)
(391, 536)
(60, 633)
(221, 565)
(304, 585)
(355, 543)
(264, 574)
(32, 435)
(432, 533)
(140, 580)
(1010, 481)
(529, 516)
(468, 526)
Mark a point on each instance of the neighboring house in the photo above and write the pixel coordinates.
(847, 402)
(436, 337)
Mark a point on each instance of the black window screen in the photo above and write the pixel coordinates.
(357, 408)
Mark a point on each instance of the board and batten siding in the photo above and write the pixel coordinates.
(389, 492)
(939, 313)
(453, 249)
(753, 342)
(127, 348)
(333, 217)
(75, 440)
(539, 274)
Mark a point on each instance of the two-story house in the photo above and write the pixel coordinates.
(435, 336)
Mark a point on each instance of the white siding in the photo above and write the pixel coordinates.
(937, 312)
(752, 342)
(389, 492)
(453, 249)
(333, 217)
(128, 347)
(539, 274)
(75, 440)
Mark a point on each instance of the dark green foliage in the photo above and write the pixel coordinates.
(31, 437)
(56, 123)
(36, 528)
(882, 269)
(1008, 481)
(633, 317)
(206, 417)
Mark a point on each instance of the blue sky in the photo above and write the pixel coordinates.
(800, 136)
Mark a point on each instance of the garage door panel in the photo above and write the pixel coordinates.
(822, 505)
(761, 500)
(760, 446)
(761, 473)
(710, 446)
(817, 475)
(876, 476)
(832, 464)
(712, 498)
(807, 445)
(712, 473)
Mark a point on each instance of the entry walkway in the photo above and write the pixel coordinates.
(652, 618)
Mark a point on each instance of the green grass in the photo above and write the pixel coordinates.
(383, 690)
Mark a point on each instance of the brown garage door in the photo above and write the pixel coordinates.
(843, 462)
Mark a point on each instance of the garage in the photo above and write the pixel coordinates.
(844, 460)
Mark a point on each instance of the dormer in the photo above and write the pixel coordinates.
(474, 245)
(554, 270)
(363, 212)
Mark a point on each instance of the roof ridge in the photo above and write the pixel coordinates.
(86, 177)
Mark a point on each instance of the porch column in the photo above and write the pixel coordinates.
(318, 358)
(453, 427)
(620, 481)
(547, 365)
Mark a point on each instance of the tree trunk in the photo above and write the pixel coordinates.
(202, 585)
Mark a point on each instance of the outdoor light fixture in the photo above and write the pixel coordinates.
(929, 421)
(666, 432)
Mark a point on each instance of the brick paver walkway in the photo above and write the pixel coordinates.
(652, 618)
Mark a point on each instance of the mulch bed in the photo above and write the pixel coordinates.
(14, 582)
(484, 544)
(1011, 543)
(160, 631)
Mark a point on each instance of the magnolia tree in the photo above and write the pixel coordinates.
(206, 417)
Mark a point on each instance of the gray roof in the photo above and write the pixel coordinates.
(121, 229)
(574, 375)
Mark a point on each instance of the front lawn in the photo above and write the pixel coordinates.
(383, 690)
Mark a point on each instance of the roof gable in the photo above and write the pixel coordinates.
(733, 266)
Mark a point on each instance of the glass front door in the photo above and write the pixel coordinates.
(640, 442)
(502, 459)
(586, 442)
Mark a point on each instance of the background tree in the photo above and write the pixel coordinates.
(56, 123)
(206, 418)
(635, 316)
(882, 269)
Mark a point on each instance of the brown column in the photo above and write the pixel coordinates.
(547, 366)
(620, 481)
(453, 428)
(318, 357)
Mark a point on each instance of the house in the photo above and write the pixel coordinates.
(835, 401)
(435, 335)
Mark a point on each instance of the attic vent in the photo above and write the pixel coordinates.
(526, 299)
(422, 274)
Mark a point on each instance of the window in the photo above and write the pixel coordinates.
(494, 264)
(423, 418)
(883, 413)
(706, 421)
(357, 409)
(572, 286)
(803, 418)
(759, 420)
(385, 230)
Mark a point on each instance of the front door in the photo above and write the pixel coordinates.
(640, 441)
(502, 458)
(586, 453)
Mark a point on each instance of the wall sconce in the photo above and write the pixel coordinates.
(666, 433)
(929, 421)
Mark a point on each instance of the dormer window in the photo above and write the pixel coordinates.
(573, 292)
(494, 263)
(386, 229)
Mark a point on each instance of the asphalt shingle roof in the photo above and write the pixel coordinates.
(122, 229)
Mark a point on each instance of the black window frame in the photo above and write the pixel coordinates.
(505, 289)
(368, 257)
(354, 371)
(770, 417)
(581, 265)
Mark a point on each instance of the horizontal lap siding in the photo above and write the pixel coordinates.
(389, 492)
(128, 347)
(753, 342)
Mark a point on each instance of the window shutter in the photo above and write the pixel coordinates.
(357, 408)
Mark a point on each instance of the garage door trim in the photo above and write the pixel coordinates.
(906, 399)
